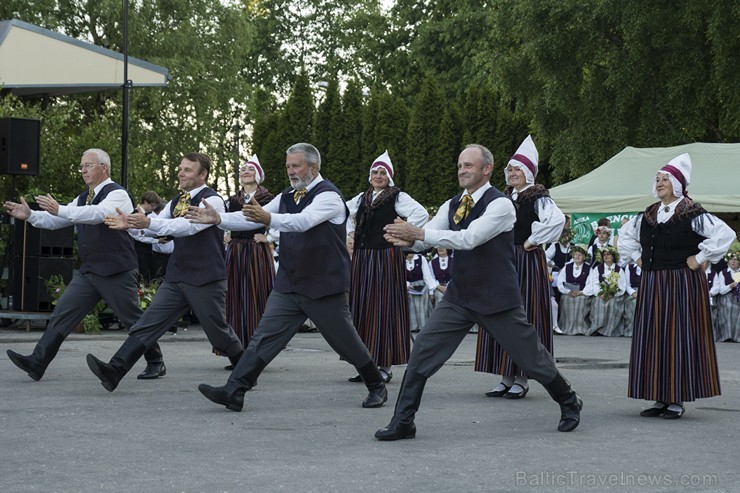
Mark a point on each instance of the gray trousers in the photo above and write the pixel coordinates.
(174, 299)
(283, 316)
(120, 292)
(449, 324)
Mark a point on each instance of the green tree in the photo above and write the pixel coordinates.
(391, 134)
(344, 159)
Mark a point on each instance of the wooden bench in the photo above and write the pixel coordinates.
(26, 316)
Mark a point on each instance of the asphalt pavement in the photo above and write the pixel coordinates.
(303, 429)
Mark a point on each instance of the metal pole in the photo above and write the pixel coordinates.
(125, 88)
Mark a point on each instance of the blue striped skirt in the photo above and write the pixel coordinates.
(380, 308)
(673, 358)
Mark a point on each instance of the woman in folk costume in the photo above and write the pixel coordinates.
(633, 274)
(574, 305)
(420, 285)
(378, 299)
(603, 237)
(728, 299)
(673, 358)
(441, 266)
(249, 263)
(539, 221)
(557, 255)
(606, 283)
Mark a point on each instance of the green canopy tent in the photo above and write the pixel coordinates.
(623, 183)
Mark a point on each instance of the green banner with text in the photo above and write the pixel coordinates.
(583, 225)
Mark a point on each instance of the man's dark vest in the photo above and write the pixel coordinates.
(314, 263)
(104, 251)
(200, 258)
(484, 279)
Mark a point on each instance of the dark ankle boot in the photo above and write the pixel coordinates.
(110, 374)
(230, 395)
(377, 394)
(36, 363)
(154, 364)
(570, 402)
(247, 370)
(409, 398)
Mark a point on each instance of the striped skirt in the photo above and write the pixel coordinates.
(573, 317)
(534, 282)
(727, 321)
(250, 273)
(606, 316)
(673, 357)
(380, 309)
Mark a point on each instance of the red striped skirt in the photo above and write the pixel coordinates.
(673, 357)
(380, 308)
(534, 283)
(250, 272)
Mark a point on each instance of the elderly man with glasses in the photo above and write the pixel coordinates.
(109, 264)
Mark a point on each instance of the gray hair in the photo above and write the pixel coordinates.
(103, 157)
(310, 153)
(485, 153)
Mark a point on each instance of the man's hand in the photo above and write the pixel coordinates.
(138, 220)
(119, 221)
(692, 263)
(255, 213)
(203, 215)
(401, 233)
(48, 204)
(19, 211)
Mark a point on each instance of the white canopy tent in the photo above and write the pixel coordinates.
(36, 61)
(623, 183)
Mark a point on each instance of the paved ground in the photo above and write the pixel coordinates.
(302, 428)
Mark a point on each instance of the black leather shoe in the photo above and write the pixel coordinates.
(671, 414)
(396, 431)
(654, 412)
(107, 374)
(152, 371)
(498, 393)
(356, 378)
(232, 399)
(27, 364)
(570, 413)
(517, 395)
(376, 396)
(229, 367)
(386, 375)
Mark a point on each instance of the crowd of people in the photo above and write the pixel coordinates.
(358, 271)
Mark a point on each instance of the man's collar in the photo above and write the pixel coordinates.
(478, 193)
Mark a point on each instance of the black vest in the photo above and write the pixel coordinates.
(560, 258)
(634, 276)
(442, 275)
(314, 263)
(525, 213)
(233, 205)
(370, 223)
(666, 246)
(200, 258)
(484, 279)
(580, 280)
(104, 251)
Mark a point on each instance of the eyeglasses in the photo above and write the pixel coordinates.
(87, 166)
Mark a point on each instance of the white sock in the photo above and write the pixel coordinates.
(675, 407)
(507, 380)
(658, 404)
(521, 381)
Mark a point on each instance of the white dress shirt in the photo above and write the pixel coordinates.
(166, 225)
(499, 217)
(327, 206)
(592, 283)
(577, 269)
(429, 280)
(85, 214)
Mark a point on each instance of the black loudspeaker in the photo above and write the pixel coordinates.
(30, 275)
(37, 242)
(19, 146)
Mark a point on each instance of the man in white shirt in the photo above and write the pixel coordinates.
(478, 225)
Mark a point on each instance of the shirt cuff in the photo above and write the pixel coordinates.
(701, 258)
(63, 212)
